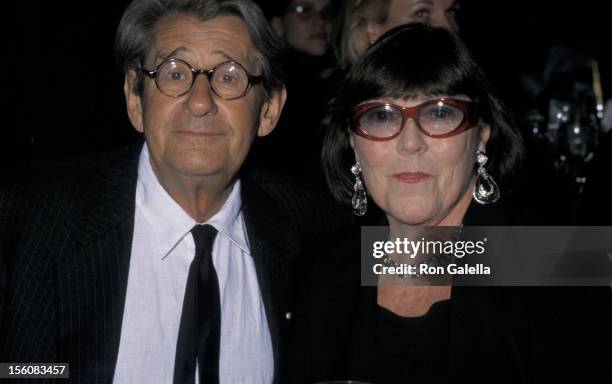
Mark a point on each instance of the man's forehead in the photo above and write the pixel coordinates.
(223, 37)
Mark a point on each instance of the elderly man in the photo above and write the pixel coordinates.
(164, 263)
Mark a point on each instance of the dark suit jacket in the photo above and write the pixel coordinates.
(497, 334)
(65, 244)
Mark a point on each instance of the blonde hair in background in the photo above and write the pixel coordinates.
(350, 32)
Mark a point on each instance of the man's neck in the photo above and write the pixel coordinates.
(200, 197)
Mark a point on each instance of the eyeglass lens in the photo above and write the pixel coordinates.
(435, 118)
(228, 80)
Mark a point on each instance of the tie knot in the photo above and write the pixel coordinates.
(204, 237)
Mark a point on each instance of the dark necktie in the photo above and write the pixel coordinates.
(200, 328)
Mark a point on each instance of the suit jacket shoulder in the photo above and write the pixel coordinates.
(65, 231)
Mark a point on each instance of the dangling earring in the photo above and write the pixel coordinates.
(486, 190)
(360, 199)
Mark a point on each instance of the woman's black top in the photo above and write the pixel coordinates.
(414, 349)
(481, 335)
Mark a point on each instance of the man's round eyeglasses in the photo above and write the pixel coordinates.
(438, 118)
(228, 80)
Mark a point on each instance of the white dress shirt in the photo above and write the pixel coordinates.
(162, 250)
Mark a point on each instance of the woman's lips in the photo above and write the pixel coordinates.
(411, 177)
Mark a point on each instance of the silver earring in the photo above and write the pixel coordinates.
(486, 190)
(360, 199)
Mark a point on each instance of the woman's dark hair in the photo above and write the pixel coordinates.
(406, 62)
(134, 33)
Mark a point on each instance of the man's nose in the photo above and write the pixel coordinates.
(200, 101)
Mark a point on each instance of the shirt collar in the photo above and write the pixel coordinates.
(170, 223)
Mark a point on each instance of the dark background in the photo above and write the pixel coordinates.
(63, 93)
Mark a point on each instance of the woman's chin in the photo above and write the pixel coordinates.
(421, 216)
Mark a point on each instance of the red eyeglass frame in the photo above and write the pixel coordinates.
(469, 108)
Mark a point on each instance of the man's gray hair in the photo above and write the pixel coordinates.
(134, 34)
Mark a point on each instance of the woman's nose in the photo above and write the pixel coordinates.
(411, 139)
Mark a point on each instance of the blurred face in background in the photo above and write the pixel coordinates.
(437, 13)
(305, 26)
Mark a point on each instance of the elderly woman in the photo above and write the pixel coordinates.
(422, 118)
(418, 129)
(361, 22)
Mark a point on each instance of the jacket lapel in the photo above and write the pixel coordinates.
(274, 248)
(92, 278)
(364, 359)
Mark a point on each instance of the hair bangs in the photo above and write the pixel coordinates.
(412, 66)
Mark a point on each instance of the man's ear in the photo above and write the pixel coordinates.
(277, 25)
(271, 111)
(133, 101)
(483, 136)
